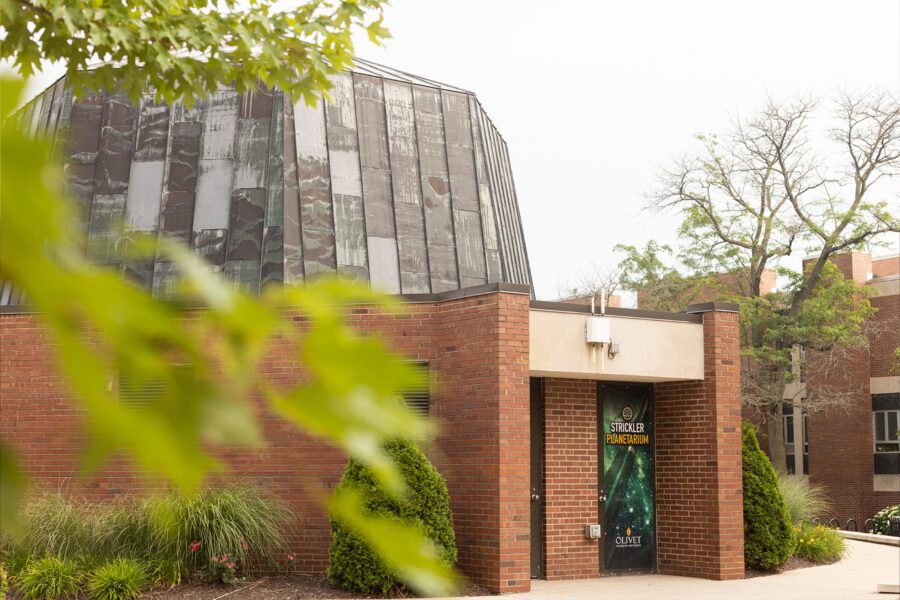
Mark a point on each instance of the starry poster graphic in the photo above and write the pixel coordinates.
(629, 528)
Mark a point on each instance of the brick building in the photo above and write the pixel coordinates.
(574, 444)
(854, 451)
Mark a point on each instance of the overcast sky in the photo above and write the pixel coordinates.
(593, 97)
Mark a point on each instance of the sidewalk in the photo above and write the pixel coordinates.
(853, 578)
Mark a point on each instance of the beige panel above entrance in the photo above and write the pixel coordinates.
(650, 349)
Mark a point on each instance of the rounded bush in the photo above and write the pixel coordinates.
(354, 566)
(882, 521)
(768, 533)
(48, 578)
(120, 579)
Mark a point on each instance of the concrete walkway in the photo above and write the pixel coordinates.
(854, 577)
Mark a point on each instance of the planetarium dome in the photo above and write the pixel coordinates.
(399, 181)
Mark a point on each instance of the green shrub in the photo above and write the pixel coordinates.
(120, 579)
(48, 578)
(768, 533)
(819, 544)
(4, 582)
(804, 501)
(353, 565)
(882, 521)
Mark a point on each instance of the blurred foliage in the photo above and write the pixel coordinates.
(204, 347)
(183, 49)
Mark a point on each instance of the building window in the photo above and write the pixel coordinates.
(887, 436)
(790, 440)
(419, 400)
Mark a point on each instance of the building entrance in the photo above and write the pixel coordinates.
(626, 477)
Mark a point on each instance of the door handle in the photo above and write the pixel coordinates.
(601, 496)
(535, 496)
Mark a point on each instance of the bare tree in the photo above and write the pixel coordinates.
(750, 198)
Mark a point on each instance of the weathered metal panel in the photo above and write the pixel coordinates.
(213, 194)
(166, 279)
(105, 233)
(370, 117)
(246, 219)
(152, 131)
(353, 273)
(61, 132)
(383, 268)
(343, 142)
(251, 153)
(275, 176)
(488, 218)
(442, 268)
(318, 252)
(293, 249)
(220, 124)
(272, 270)
(177, 215)
(83, 149)
(210, 244)
(460, 154)
(378, 203)
(183, 158)
(470, 245)
(435, 189)
(257, 103)
(46, 103)
(244, 273)
(144, 195)
(314, 180)
(401, 130)
(59, 93)
(350, 231)
(413, 253)
(116, 143)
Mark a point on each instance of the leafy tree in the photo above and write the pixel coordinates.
(184, 48)
(753, 197)
(101, 326)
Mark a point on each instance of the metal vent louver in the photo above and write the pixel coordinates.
(419, 401)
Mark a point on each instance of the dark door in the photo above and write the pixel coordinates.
(537, 479)
(626, 477)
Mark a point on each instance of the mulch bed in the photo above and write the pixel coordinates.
(795, 562)
(279, 588)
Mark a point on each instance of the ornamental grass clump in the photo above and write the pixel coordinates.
(120, 579)
(354, 566)
(768, 531)
(805, 501)
(820, 544)
(49, 578)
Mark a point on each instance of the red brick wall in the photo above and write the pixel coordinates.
(841, 439)
(886, 335)
(884, 499)
(699, 499)
(889, 265)
(478, 348)
(570, 478)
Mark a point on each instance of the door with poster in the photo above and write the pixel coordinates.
(627, 479)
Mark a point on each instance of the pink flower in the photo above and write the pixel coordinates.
(196, 545)
(213, 558)
(230, 565)
(292, 556)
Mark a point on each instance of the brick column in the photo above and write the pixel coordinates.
(699, 498)
(481, 355)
